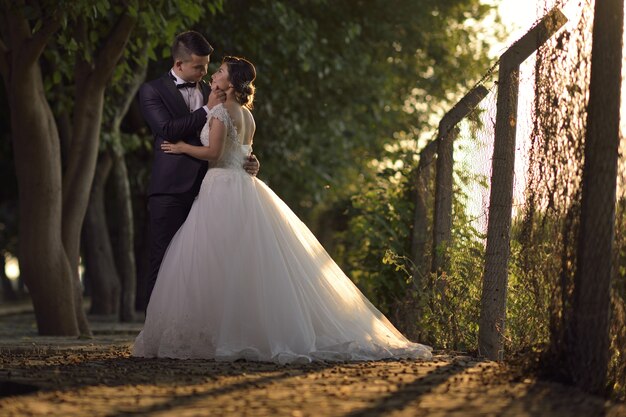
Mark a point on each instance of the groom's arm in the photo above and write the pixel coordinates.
(160, 120)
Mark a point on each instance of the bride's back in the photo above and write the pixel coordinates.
(239, 132)
(243, 122)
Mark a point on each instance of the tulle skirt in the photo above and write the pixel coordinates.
(244, 278)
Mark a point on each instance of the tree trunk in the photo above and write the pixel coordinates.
(49, 205)
(43, 263)
(589, 335)
(142, 254)
(123, 235)
(77, 180)
(98, 255)
(64, 124)
(122, 230)
(91, 80)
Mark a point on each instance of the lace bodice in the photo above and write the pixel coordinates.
(233, 152)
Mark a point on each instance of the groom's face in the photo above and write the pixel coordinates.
(194, 69)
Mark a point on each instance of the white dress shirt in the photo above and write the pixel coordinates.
(192, 96)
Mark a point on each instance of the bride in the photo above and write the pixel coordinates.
(244, 278)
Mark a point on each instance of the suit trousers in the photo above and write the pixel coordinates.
(167, 213)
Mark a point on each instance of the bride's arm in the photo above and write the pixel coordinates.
(211, 152)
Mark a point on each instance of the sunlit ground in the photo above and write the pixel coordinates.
(106, 382)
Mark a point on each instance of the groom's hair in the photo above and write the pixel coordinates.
(190, 42)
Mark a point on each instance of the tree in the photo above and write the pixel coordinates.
(109, 254)
(52, 205)
(588, 344)
(43, 231)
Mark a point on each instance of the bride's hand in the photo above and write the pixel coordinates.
(174, 148)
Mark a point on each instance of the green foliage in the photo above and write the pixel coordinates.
(532, 284)
(443, 309)
(92, 23)
(375, 243)
(337, 80)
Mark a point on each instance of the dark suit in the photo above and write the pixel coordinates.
(175, 179)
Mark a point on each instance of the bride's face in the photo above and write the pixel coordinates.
(220, 78)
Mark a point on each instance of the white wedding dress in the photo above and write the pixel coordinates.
(244, 278)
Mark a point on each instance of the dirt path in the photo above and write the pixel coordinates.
(65, 377)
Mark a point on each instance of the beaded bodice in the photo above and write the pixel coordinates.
(234, 152)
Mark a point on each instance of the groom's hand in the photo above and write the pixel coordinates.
(252, 165)
(216, 97)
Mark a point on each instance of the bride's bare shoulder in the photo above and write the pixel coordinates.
(248, 117)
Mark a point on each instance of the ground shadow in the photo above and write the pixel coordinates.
(411, 391)
(28, 372)
(535, 400)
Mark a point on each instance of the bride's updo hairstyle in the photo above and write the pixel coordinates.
(241, 75)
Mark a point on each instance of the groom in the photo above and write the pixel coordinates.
(175, 106)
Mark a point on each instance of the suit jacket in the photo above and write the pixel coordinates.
(165, 111)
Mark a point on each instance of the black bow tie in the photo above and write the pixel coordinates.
(183, 85)
(186, 85)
